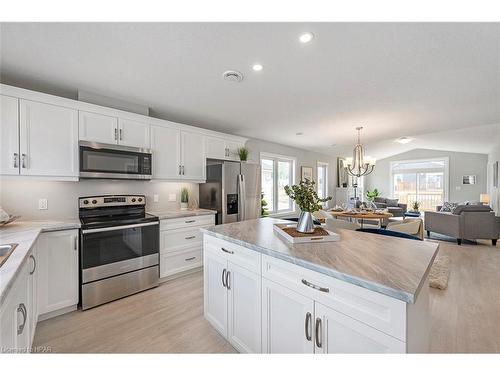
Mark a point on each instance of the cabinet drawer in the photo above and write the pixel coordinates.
(236, 254)
(176, 239)
(172, 263)
(374, 309)
(189, 221)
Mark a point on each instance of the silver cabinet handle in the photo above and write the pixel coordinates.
(311, 285)
(227, 251)
(183, 171)
(16, 160)
(318, 333)
(188, 259)
(22, 309)
(116, 134)
(23, 160)
(121, 134)
(228, 284)
(189, 237)
(75, 244)
(307, 327)
(224, 277)
(189, 221)
(34, 264)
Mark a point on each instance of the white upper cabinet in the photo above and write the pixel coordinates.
(9, 135)
(48, 140)
(133, 133)
(166, 146)
(94, 127)
(220, 148)
(193, 155)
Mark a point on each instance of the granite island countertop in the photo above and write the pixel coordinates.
(392, 266)
(173, 214)
(25, 234)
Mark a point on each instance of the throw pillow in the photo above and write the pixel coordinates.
(391, 202)
(448, 207)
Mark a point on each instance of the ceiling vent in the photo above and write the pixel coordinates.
(232, 75)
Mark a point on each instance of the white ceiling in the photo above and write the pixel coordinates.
(395, 79)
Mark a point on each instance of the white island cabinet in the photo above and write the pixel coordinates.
(289, 304)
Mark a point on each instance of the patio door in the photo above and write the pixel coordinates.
(424, 181)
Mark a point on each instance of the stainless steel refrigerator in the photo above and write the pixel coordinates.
(232, 189)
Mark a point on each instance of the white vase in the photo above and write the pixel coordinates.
(184, 206)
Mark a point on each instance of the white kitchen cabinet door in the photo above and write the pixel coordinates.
(193, 156)
(215, 293)
(133, 133)
(48, 140)
(287, 320)
(58, 270)
(338, 333)
(166, 148)
(244, 309)
(33, 292)
(94, 127)
(215, 148)
(9, 135)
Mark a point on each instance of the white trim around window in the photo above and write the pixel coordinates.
(273, 201)
(322, 180)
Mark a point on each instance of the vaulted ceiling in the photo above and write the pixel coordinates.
(395, 79)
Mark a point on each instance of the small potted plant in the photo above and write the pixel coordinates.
(415, 206)
(305, 196)
(184, 198)
(243, 153)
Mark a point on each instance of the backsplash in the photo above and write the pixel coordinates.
(20, 196)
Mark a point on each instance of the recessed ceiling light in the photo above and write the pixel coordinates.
(404, 140)
(232, 75)
(257, 67)
(299, 133)
(306, 37)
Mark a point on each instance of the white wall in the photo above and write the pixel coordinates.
(19, 196)
(460, 163)
(304, 158)
(494, 193)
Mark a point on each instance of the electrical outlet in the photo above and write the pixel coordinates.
(172, 198)
(156, 198)
(42, 204)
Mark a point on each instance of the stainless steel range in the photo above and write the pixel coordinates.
(119, 252)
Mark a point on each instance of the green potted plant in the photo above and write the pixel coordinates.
(305, 196)
(243, 153)
(184, 198)
(371, 195)
(415, 206)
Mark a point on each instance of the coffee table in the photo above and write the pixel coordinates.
(360, 217)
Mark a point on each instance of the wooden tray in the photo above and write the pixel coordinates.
(288, 232)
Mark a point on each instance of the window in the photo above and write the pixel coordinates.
(322, 180)
(277, 172)
(424, 181)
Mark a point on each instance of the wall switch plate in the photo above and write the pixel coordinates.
(42, 204)
(156, 198)
(172, 198)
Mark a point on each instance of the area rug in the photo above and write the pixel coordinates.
(440, 272)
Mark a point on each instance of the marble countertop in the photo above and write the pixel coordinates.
(179, 213)
(24, 233)
(392, 266)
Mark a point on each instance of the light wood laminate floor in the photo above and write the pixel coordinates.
(169, 319)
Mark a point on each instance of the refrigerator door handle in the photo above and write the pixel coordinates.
(241, 198)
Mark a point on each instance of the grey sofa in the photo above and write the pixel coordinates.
(464, 222)
(393, 206)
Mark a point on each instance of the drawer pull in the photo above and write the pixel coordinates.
(311, 285)
(227, 251)
(190, 221)
(188, 259)
(189, 237)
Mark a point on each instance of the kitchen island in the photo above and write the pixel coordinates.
(365, 293)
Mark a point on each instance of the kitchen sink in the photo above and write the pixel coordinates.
(5, 251)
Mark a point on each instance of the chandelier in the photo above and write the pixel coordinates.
(359, 165)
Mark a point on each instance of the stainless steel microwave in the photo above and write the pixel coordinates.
(99, 160)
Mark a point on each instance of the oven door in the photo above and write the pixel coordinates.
(112, 251)
(113, 161)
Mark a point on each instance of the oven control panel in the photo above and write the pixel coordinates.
(112, 200)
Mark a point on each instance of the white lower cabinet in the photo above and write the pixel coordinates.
(287, 319)
(58, 271)
(232, 302)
